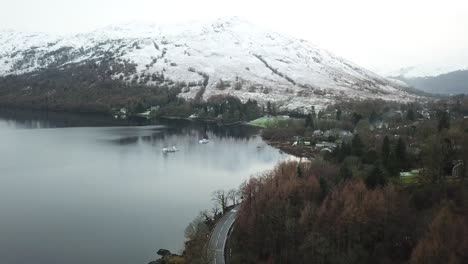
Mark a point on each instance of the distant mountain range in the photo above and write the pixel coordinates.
(455, 82)
(440, 77)
(225, 57)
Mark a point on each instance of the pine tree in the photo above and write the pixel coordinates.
(320, 114)
(309, 121)
(373, 117)
(324, 188)
(444, 120)
(410, 115)
(299, 171)
(375, 178)
(400, 153)
(393, 164)
(345, 172)
(312, 112)
(357, 147)
(338, 114)
(356, 117)
(385, 151)
(343, 151)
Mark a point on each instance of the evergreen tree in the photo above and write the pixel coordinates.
(345, 172)
(309, 121)
(444, 120)
(320, 114)
(357, 147)
(343, 151)
(139, 108)
(312, 112)
(338, 114)
(299, 171)
(356, 117)
(274, 111)
(373, 117)
(375, 178)
(410, 115)
(370, 157)
(393, 164)
(386, 151)
(400, 153)
(324, 188)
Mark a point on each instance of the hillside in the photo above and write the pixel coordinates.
(201, 60)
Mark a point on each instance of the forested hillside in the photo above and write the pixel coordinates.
(396, 193)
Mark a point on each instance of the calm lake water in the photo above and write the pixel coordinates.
(90, 189)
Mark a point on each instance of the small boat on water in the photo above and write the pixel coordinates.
(169, 150)
(204, 141)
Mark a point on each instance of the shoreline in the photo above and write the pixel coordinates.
(296, 151)
(207, 120)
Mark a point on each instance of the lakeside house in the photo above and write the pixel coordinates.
(337, 133)
(326, 145)
(411, 173)
(317, 133)
(378, 125)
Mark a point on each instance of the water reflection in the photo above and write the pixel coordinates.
(90, 189)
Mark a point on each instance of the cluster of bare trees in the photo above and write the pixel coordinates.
(198, 231)
(285, 218)
(224, 199)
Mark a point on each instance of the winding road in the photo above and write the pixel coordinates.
(220, 235)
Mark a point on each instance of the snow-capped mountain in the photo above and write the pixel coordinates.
(228, 56)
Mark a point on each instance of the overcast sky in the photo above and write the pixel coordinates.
(376, 34)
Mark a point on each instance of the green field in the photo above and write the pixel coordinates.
(410, 177)
(276, 122)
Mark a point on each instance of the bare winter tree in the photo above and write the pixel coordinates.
(220, 198)
(197, 234)
(232, 195)
(195, 227)
(215, 211)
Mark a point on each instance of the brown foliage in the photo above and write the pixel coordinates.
(445, 241)
(285, 218)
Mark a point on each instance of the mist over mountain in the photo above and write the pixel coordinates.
(200, 60)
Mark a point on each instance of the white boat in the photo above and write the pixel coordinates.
(169, 150)
(204, 141)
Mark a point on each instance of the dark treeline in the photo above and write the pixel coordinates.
(85, 87)
(102, 87)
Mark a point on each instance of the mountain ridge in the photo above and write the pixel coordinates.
(225, 57)
(450, 83)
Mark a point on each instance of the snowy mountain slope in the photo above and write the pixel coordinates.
(229, 56)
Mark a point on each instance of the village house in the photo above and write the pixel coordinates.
(325, 144)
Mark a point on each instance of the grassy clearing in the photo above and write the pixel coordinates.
(409, 180)
(410, 177)
(277, 122)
